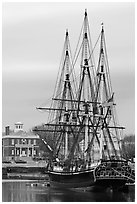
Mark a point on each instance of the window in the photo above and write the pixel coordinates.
(12, 152)
(23, 141)
(18, 152)
(28, 152)
(34, 152)
(12, 141)
(34, 142)
(18, 141)
(29, 142)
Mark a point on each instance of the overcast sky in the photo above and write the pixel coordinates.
(32, 43)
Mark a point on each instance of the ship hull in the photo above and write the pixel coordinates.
(72, 179)
(107, 182)
(106, 174)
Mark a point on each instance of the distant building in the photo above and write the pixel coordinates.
(19, 144)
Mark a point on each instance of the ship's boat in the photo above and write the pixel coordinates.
(82, 124)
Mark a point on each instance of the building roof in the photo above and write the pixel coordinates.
(21, 134)
(18, 123)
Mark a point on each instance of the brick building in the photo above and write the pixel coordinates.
(19, 144)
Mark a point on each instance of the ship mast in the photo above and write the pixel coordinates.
(63, 109)
(100, 85)
(84, 119)
(86, 86)
(105, 128)
(85, 44)
(66, 86)
(105, 95)
(65, 100)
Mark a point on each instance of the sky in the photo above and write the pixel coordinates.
(32, 42)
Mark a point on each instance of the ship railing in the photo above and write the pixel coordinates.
(57, 168)
(115, 174)
(73, 168)
(127, 175)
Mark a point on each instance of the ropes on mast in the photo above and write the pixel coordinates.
(86, 101)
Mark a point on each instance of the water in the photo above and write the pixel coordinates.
(24, 191)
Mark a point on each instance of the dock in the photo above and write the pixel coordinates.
(30, 170)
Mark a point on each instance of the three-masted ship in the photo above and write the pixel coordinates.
(82, 122)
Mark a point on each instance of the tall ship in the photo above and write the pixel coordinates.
(82, 124)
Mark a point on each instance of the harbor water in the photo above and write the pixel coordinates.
(38, 191)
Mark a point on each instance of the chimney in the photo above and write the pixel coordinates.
(7, 130)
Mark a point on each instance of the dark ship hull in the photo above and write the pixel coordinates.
(109, 173)
(72, 179)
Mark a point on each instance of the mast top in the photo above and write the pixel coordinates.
(85, 12)
(66, 32)
(102, 26)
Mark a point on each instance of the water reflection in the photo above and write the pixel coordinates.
(25, 192)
